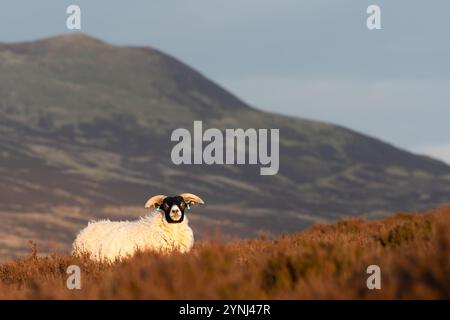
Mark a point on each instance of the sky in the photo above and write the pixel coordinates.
(311, 59)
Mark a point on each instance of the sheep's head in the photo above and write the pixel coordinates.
(173, 207)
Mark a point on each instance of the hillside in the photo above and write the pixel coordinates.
(323, 262)
(85, 133)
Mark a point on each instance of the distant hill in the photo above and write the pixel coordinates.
(85, 132)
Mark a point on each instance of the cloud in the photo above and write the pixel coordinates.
(405, 112)
(438, 151)
(296, 93)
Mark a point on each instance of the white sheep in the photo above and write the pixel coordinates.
(165, 230)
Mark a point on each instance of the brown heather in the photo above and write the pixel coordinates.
(323, 262)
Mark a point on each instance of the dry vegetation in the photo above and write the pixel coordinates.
(325, 261)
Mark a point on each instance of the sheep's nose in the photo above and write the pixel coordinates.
(175, 210)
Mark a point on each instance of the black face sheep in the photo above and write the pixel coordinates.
(165, 230)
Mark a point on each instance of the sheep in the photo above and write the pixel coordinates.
(165, 230)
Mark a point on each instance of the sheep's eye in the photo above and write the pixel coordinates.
(182, 205)
(165, 206)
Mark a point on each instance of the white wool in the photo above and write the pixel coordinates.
(109, 241)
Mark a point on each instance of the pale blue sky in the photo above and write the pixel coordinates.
(313, 59)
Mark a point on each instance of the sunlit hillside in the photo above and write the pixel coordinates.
(325, 261)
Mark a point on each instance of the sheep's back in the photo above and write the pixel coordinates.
(91, 240)
(126, 239)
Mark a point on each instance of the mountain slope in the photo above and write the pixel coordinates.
(86, 124)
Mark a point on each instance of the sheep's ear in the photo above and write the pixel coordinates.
(190, 198)
(155, 201)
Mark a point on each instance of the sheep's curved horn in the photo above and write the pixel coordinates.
(154, 201)
(192, 198)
